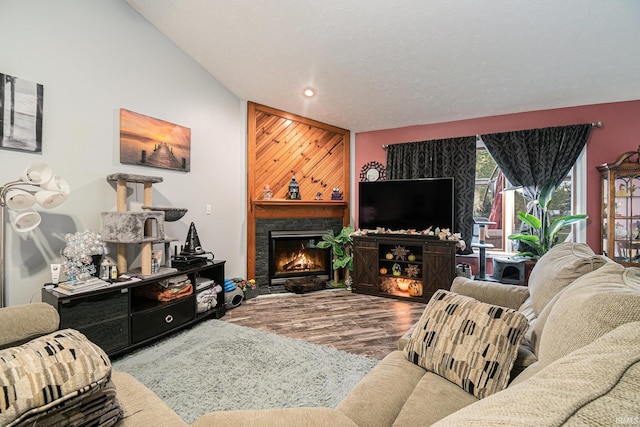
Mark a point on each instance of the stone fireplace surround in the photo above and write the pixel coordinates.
(262, 229)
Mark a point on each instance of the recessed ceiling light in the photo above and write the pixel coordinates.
(309, 92)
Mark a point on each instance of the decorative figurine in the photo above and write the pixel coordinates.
(415, 289)
(336, 194)
(294, 189)
(318, 195)
(621, 232)
(412, 270)
(622, 191)
(400, 252)
(267, 193)
(396, 270)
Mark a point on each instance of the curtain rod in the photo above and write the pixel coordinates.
(597, 124)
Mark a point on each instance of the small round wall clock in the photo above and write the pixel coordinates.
(373, 171)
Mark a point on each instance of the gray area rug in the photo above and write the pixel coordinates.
(221, 366)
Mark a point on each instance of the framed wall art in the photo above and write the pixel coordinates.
(21, 103)
(153, 142)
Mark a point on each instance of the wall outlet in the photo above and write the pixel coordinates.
(208, 209)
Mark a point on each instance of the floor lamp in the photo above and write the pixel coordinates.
(37, 185)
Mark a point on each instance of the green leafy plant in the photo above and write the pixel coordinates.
(544, 231)
(340, 245)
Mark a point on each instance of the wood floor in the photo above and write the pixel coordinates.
(360, 324)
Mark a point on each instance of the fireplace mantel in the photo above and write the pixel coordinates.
(280, 146)
(285, 208)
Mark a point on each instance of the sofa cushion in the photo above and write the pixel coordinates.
(51, 373)
(560, 266)
(525, 358)
(470, 343)
(98, 408)
(593, 305)
(598, 384)
(432, 399)
(378, 398)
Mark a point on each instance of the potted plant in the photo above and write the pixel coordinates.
(340, 245)
(544, 231)
(248, 287)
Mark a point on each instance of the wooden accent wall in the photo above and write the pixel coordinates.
(281, 145)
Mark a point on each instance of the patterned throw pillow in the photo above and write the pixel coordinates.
(51, 373)
(468, 342)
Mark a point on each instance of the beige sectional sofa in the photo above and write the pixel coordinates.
(578, 363)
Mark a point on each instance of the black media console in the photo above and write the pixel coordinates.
(118, 320)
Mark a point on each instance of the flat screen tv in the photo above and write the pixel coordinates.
(406, 204)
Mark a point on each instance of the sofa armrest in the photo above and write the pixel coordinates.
(141, 406)
(22, 323)
(511, 296)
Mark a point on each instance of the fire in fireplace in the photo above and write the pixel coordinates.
(294, 254)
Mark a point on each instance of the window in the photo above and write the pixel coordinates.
(501, 207)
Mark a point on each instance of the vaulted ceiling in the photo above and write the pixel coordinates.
(393, 63)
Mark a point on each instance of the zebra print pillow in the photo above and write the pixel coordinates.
(468, 342)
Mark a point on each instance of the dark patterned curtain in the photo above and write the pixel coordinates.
(455, 157)
(532, 158)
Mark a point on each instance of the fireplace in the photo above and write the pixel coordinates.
(295, 254)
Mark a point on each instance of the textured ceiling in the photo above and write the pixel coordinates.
(386, 64)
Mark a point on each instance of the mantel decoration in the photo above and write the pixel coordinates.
(267, 193)
(336, 194)
(79, 251)
(294, 189)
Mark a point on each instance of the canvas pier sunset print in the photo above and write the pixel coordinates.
(152, 142)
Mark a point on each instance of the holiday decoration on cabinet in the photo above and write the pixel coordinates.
(621, 208)
(402, 266)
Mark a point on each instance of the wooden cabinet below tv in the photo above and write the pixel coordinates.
(402, 266)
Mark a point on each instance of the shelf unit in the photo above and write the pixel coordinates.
(118, 320)
(620, 237)
(402, 266)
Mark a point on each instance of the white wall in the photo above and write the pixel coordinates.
(93, 58)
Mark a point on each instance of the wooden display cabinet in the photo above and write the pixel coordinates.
(402, 266)
(620, 209)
